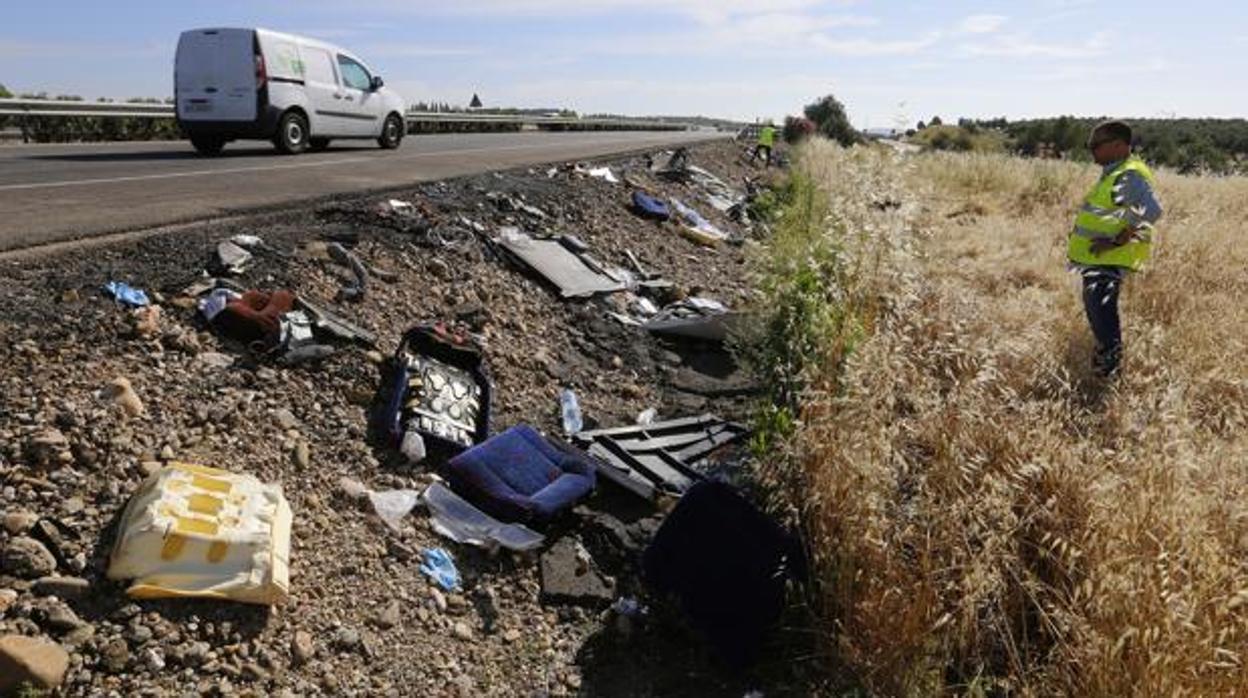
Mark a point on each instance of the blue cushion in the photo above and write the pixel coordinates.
(519, 475)
(650, 207)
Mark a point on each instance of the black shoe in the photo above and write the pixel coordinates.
(1105, 363)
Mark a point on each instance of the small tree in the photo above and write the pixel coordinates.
(475, 103)
(797, 129)
(936, 121)
(831, 121)
(5, 94)
(920, 126)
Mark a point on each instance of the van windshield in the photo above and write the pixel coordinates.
(354, 74)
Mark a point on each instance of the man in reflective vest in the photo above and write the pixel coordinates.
(1112, 235)
(766, 141)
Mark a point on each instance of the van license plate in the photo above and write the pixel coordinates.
(199, 107)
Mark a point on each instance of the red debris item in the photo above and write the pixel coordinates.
(255, 317)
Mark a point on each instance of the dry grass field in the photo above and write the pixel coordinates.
(986, 516)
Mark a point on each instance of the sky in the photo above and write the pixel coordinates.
(890, 63)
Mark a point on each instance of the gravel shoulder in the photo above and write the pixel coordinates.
(361, 620)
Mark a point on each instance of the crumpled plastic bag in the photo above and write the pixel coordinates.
(215, 302)
(391, 506)
(126, 294)
(440, 566)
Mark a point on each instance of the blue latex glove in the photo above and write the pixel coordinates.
(439, 565)
(126, 294)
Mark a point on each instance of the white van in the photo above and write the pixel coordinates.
(297, 92)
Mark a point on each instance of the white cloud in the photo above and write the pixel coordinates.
(866, 47)
(762, 35)
(1023, 46)
(981, 24)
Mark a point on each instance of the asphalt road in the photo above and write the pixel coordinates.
(56, 193)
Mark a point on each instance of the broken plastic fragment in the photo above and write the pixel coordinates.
(391, 506)
(603, 173)
(247, 240)
(457, 519)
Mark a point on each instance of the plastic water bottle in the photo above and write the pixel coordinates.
(571, 412)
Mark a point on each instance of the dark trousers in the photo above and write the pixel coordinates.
(764, 151)
(1100, 301)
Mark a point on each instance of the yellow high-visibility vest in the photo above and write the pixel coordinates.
(767, 136)
(1101, 217)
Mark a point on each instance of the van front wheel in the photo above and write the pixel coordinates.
(391, 133)
(292, 134)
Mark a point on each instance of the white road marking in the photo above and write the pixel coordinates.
(302, 165)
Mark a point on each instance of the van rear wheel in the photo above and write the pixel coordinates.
(207, 145)
(292, 133)
(391, 133)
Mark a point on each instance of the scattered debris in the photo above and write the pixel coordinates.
(696, 227)
(126, 294)
(457, 519)
(439, 566)
(393, 505)
(571, 411)
(647, 417)
(439, 389)
(520, 476)
(603, 173)
(191, 531)
(254, 318)
(353, 292)
(212, 304)
(570, 576)
(696, 318)
(515, 204)
(658, 457)
(335, 326)
(75, 460)
(230, 259)
(650, 207)
(576, 275)
(728, 563)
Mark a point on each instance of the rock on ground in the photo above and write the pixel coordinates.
(39, 663)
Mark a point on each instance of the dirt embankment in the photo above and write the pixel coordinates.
(362, 620)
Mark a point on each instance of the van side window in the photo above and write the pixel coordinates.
(354, 74)
(285, 61)
(320, 65)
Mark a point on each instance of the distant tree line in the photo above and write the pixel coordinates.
(1217, 146)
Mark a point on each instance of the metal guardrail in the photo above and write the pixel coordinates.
(417, 121)
(56, 107)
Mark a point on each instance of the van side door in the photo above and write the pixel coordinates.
(330, 117)
(364, 104)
